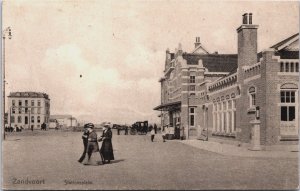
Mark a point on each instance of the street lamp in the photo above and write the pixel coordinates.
(5, 33)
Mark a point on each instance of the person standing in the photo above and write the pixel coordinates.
(92, 146)
(85, 141)
(152, 134)
(106, 150)
(155, 128)
(164, 135)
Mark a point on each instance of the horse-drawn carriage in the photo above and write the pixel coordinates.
(140, 128)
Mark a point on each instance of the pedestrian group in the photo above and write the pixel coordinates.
(90, 143)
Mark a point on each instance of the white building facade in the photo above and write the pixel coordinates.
(28, 109)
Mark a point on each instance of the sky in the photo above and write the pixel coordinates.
(118, 47)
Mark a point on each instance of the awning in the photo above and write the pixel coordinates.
(169, 106)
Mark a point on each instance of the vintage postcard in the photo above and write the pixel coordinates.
(150, 95)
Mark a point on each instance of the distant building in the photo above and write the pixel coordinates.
(28, 109)
(219, 95)
(64, 121)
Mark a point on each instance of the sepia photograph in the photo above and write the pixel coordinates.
(149, 95)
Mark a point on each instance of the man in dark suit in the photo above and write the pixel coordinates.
(85, 137)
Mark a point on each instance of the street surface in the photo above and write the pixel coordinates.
(140, 164)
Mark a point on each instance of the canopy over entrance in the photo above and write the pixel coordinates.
(169, 106)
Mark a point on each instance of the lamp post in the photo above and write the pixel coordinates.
(5, 33)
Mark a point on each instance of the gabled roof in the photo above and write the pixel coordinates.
(286, 42)
(201, 48)
(213, 62)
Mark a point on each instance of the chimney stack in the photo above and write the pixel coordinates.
(247, 42)
(197, 43)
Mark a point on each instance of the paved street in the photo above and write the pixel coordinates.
(140, 164)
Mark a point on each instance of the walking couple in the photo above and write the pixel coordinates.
(90, 143)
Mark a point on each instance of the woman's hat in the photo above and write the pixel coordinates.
(89, 125)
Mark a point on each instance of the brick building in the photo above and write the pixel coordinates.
(28, 109)
(206, 95)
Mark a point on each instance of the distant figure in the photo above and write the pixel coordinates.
(150, 128)
(164, 135)
(118, 130)
(152, 134)
(85, 141)
(31, 127)
(44, 126)
(126, 130)
(182, 133)
(155, 128)
(106, 150)
(17, 128)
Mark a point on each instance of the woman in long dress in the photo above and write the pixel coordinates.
(106, 150)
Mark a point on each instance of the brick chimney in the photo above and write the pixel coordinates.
(247, 42)
(197, 43)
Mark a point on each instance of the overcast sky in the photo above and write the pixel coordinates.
(119, 48)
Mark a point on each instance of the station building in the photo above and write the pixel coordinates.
(216, 96)
(28, 109)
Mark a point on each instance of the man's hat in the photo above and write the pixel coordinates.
(89, 125)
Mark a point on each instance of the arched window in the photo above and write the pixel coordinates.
(252, 96)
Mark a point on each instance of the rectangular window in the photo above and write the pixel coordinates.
(292, 67)
(297, 67)
(20, 110)
(19, 119)
(282, 96)
(26, 102)
(281, 67)
(26, 109)
(13, 110)
(287, 96)
(286, 67)
(192, 120)
(39, 103)
(32, 119)
(13, 103)
(292, 97)
(192, 87)
(192, 79)
(32, 102)
(20, 102)
(284, 113)
(288, 113)
(12, 119)
(192, 110)
(38, 119)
